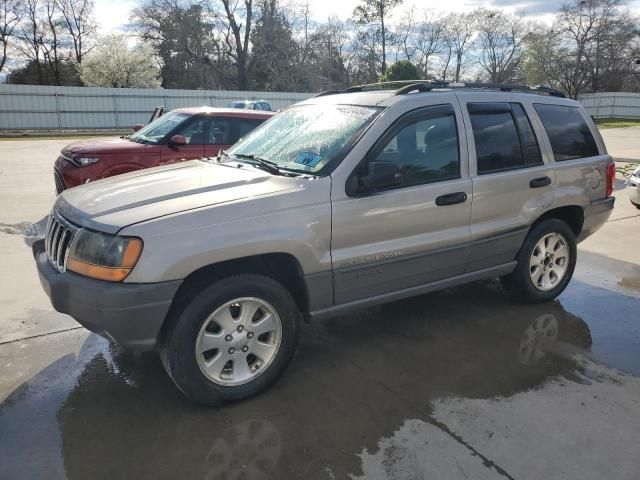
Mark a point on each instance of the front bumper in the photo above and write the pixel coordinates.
(595, 216)
(131, 314)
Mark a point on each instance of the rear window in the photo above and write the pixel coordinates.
(568, 132)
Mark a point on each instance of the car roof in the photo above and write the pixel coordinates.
(225, 112)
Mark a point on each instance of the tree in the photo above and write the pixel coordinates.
(30, 36)
(183, 37)
(274, 50)
(236, 20)
(114, 64)
(80, 25)
(401, 70)
(590, 47)
(51, 41)
(333, 55)
(9, 19)
(370, 11)
(51, 36)
(500, 37)
(428, 40)
(41, 74)
(459, 29)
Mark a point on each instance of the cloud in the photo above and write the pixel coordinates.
(531, 8)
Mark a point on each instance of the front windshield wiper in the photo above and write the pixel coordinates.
(268, 165)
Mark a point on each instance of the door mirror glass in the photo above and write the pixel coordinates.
(177, 141)
(137, 126)
(380, 176)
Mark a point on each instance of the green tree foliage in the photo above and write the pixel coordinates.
(33, 74)
(401, 70)
(271, 65)
(183, 38)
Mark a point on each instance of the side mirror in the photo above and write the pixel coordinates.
(380, 175)
(137, 127)
(177, 141)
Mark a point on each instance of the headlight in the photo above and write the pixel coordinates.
(102, 256)
(84, 161)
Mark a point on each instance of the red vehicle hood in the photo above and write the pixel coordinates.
(103, 145)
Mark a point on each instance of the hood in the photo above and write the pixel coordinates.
(113, 203)
(102, 145)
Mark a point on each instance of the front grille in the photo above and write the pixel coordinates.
(58, 240)
(57, 177)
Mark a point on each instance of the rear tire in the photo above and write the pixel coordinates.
(546, 263)
(230, 340)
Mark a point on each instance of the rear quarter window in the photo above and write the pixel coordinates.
(568, 132)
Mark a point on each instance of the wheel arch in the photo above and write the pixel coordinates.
(572, 215)
(282, 267)
(119, 169)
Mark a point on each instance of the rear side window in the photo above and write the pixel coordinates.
(219, 131)
(503, 137)
(568, 132)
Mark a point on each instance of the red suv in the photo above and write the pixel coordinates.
(182, 134)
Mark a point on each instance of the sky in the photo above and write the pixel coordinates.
(114, 14)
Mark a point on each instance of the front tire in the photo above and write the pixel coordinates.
(546, 263)
(232, 339)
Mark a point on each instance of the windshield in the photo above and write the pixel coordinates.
(158, 129)
(305, 138)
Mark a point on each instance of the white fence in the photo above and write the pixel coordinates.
(34, 107)
(612, 104)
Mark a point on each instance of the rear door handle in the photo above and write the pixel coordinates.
(540, 182)
(451, 198)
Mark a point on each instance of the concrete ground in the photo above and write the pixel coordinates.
(458, 384)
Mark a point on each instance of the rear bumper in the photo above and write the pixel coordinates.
(596, 215)
(131, 314)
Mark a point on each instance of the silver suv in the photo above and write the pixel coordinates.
(345, 200)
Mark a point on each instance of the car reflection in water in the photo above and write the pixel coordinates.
(356, 379)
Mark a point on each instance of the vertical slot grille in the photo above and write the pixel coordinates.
(58, 240)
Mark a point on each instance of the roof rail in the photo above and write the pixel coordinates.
(503, 87)
(421, 86)
(371, 86)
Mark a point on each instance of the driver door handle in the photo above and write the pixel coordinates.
(451, 198)
(540, 182)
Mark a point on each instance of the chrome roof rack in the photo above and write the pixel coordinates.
(421, 86)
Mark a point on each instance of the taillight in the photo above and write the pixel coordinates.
(611, 177)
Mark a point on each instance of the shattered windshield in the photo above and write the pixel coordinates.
(305, 138)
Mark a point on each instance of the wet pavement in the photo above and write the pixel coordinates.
(364, 395)
(458, 384)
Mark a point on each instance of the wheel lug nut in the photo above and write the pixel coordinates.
(228, 338)
(245, 349)
(231, 350)
(250, 335)
(240, 328)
